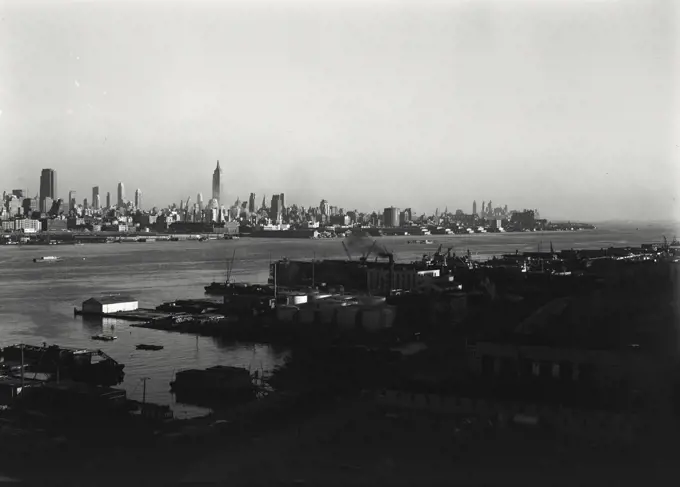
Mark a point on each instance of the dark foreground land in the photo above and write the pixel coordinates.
(353, 441)
(341, 427)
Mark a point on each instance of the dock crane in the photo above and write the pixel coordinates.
(349, 256)
(390, 259)
(364, 257)
(230, 266)
(186, 208)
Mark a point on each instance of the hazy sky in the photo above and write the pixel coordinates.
(566, 106)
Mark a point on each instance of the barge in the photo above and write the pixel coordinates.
(231, 288)
(144, 346)
(54, 362)
(104, 338)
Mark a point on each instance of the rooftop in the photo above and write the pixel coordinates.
(113, 299)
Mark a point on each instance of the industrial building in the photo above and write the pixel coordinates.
(403, 276)
(109, 304)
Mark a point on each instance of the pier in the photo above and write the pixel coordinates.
(140, 314)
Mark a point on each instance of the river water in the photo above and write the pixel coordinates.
(37, 300)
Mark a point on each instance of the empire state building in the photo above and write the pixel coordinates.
(217, 183)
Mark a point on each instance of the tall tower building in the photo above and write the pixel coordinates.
(108, 199)
(474, 207)
(121, 195)
(71, 200)
(138, 199)
(275, 210)
(48, 188)
(391, 217)
(324, 207)
(95, 197)
(251, 203)
(97, 203)
(85, 204)
(199, 200)
(217, 183)
(47, 203)
(483, 209)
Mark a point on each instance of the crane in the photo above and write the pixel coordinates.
(230, 266)
(364, 257)
(346, 250)
(186, 208)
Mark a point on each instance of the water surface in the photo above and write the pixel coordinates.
(37, 300)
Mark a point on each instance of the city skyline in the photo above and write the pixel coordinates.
(277, 204)
(516, 103)
(275, 207)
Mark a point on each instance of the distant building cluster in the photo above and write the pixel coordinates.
(46, 212)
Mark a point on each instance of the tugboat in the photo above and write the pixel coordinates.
(47, 258)
(104, 338)
(144, 346)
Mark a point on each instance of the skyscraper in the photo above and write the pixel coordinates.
(95, 197)
(474, 207)
(108, 199)
(217, 183)
(199, 200)
(48, 188)
(121, 195)
(138, 199)
(407, 215)
(97, 203)
(85, 204)
(47, 203)
(275, 210)
(324, 207)
(251, 203)
(391, 217)
(71, 200)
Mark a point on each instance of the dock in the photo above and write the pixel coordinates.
(140, 314)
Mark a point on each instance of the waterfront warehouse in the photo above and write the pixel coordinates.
(109, 304)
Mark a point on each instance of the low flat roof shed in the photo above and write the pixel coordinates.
(109, 304)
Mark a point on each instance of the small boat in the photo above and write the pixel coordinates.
(48, 258)
(143, 346)
(104, 338)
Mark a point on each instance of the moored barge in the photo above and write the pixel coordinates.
(53, 362)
